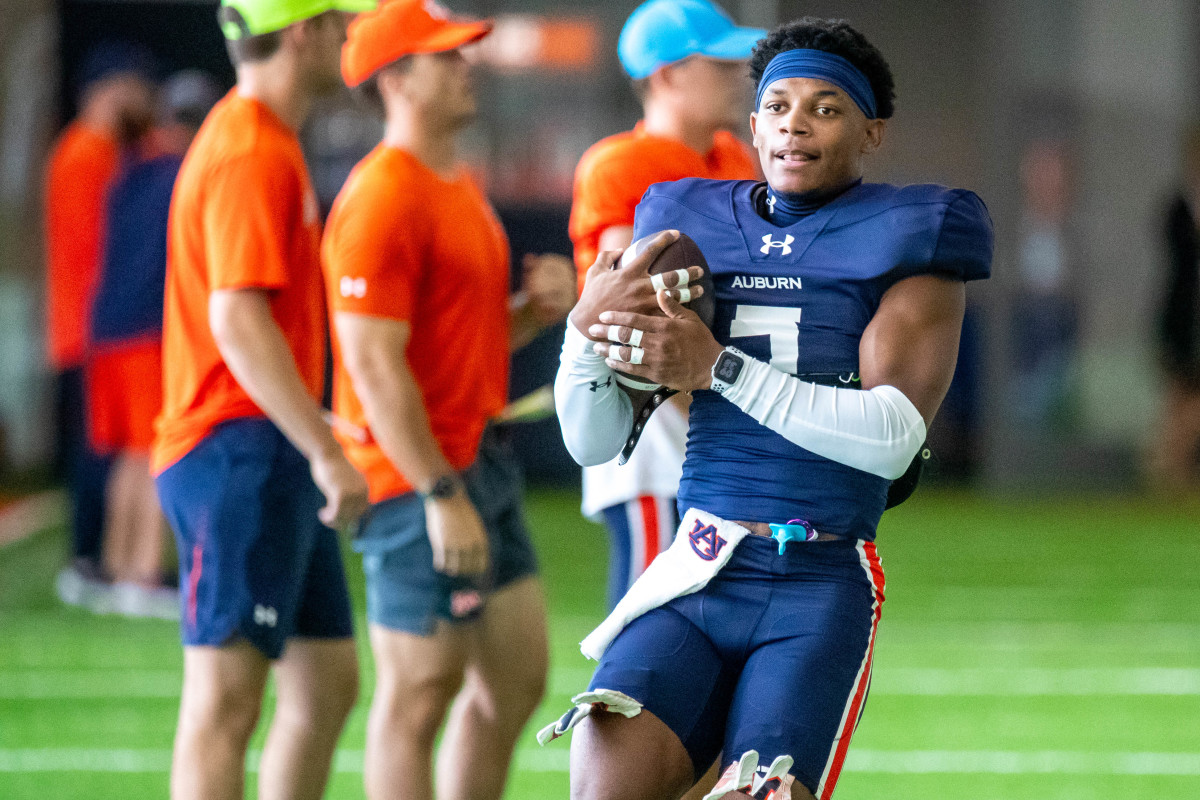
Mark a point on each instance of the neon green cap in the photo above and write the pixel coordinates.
(265, 16)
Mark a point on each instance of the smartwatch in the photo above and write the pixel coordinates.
(443, 488)
(727, 369)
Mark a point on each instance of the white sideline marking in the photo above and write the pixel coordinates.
(555, 759)
(1029, 682)
(990, 682)
(90, 684)
(893, 681)
(1009, 762)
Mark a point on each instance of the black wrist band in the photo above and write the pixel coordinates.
(443, 488)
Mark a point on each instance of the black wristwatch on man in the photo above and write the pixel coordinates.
(445, 487)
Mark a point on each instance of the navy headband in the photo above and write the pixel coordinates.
(807, 63)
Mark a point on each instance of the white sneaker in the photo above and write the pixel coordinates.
(145, 602)
(77, 586)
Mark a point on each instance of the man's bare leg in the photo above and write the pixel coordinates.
(706, 783)
(416, 679)
(316, 685)
(639, 758)
(120, 522)
(505, 679)
(222, 698)
(150, 528)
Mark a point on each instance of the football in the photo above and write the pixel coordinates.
(680, 254)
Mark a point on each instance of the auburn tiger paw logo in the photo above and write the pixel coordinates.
(705, 541)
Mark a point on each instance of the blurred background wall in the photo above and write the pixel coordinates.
(28, 101)
(1065, 115)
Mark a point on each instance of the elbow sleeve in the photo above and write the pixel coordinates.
(595, 416)
(875, 430)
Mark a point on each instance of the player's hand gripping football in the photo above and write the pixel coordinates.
(344, 487)
(677, 350)
(460, 545)
(629, 288)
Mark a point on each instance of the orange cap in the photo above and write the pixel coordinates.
(398, 28)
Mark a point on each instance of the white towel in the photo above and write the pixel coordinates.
(702, 546)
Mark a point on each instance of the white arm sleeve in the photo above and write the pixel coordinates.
(876, 430)
(595, 416)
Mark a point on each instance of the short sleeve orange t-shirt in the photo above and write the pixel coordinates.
(405, 244)
(615, 172)
(243, 216)
(79, 174)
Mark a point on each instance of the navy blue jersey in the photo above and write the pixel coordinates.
(129, 298)
(800, 297)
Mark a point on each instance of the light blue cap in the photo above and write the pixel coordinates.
(661, 32)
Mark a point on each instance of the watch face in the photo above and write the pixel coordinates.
(728, 368)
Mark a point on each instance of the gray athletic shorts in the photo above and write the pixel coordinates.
(404, 592)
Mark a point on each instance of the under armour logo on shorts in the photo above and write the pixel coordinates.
(785, 245)
(265, 615)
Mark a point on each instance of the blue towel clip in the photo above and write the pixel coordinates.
(796, 530)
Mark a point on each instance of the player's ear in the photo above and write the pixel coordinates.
(874, 135)
(658, 80)
(295, 36)
(391, 81)
(754, 128)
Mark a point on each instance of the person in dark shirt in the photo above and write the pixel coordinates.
(125, 368)
(1175, 462)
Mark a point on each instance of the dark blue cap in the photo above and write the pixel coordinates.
(115, 57)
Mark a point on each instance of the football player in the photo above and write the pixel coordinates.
(839, 309)
(687, 60)
(417, 276)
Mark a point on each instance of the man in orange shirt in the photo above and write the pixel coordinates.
(243, 456)
(115, 110)
(688, 61)
(417, 275)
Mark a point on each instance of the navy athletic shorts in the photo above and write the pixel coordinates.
(255, 563)
(773, 655)
(404, 591)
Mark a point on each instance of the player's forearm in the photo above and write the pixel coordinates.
(595, 415)
(877, 430)
(396, 415)
(522, 323)
(253, 347)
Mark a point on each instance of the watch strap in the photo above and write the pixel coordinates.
(445, 487)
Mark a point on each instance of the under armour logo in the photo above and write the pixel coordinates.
(265, 615)
(705, 541)
(596, 386)
(353, 287)
(786, 244)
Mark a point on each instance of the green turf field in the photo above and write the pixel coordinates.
(1045, 649)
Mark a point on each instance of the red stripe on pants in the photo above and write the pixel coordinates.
(864, 677)
(650, 534)
(194, 584)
